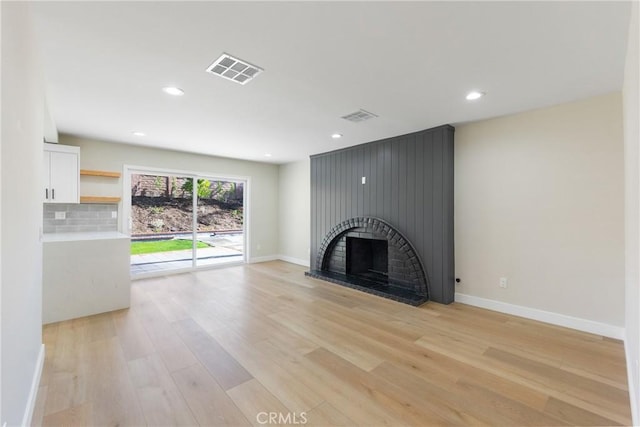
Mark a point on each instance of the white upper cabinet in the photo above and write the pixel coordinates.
(61, 174)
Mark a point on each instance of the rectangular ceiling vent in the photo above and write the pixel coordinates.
(234, 69)
(359, 116)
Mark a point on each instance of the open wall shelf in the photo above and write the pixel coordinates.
(106, 174)
(99, 199)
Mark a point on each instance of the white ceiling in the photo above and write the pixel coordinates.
(410, 63)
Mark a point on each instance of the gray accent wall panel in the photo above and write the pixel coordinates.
(409, 183)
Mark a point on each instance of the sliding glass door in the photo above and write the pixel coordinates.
(220, 221)
(180, 222)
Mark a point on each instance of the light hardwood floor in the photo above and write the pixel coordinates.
(230, 346)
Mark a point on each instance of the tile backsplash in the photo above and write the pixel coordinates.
(81, 217)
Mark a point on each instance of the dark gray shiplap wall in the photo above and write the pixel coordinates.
(409, 183)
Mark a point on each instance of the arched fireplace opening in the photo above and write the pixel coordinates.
(371, 255)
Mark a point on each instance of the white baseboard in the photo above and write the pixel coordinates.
(33, 394)
(303, 262)
(633, 393)
(292, 260)
(583, 325)
(253, 260)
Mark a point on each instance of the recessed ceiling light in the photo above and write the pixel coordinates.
(139, 133)
(336, 136)
(473, 95)
(171, 90)
(267, 154)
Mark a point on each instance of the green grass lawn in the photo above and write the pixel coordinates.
(138, 248)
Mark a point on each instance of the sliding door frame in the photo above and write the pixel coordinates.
(126, 220)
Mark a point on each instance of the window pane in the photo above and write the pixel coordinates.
(162, 223)
(220, 222)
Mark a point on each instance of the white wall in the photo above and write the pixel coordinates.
(631, 109)
(1, 139)
(263, 196)
(539, 200)
(22, 132)
(294, 209)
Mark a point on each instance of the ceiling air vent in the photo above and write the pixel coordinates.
(234, 69)
(359, 116)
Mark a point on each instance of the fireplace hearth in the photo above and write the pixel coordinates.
(370, 255)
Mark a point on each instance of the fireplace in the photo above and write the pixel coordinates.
(367, 258)
(398, 190)
(369, 254)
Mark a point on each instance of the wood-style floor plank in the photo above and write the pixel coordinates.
(293, 393)
(108, 385)
(256, 402)
(175, 354)
(326, 415)
(75, 416)
(574, 415)
(580, 387)
(222, 346)
(224, 368)
(133, 338)
(161, 401)
(210, 405)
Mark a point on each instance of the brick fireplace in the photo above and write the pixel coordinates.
(371, 255)
(382, 217)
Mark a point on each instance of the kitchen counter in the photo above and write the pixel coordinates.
(79, 236)
(84, 274)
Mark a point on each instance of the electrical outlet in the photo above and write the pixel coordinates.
(114, 214)
(503, 282)
(364, 179)
(61, 215)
